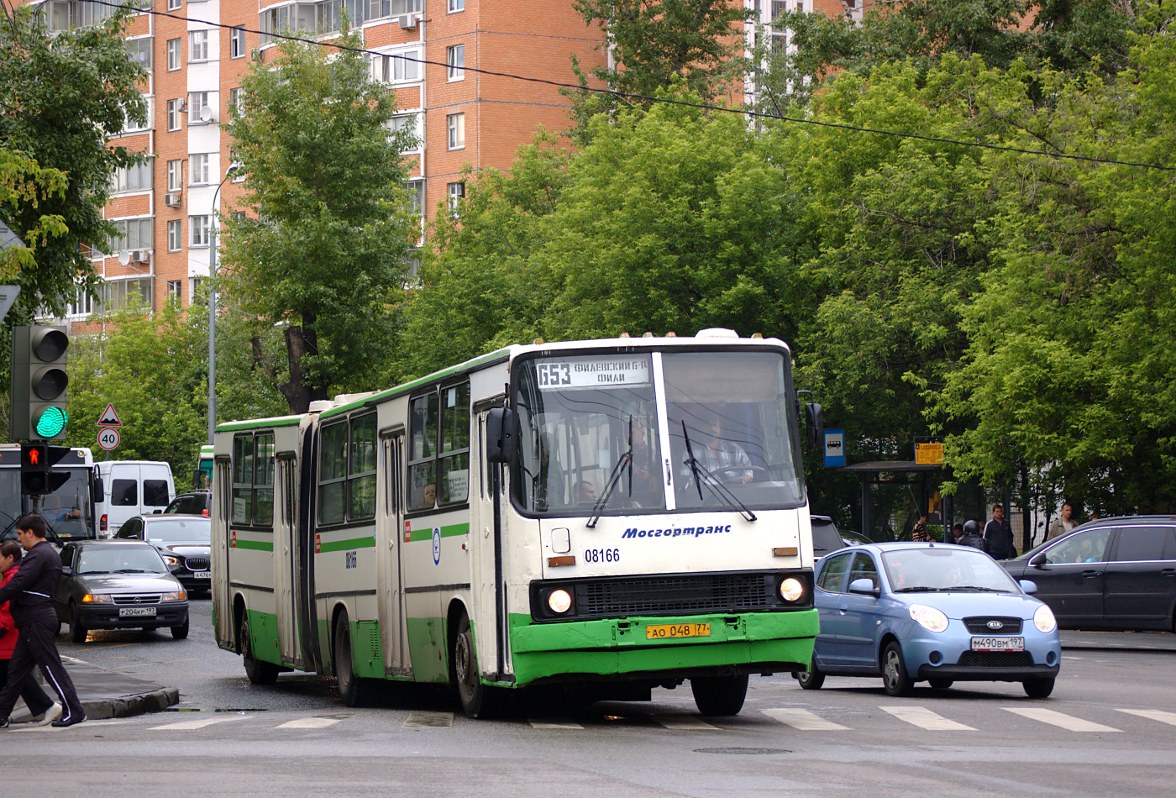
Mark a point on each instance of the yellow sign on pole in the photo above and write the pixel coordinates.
(929, 453)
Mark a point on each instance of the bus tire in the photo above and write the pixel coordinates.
(719, 696)
(477, 700)
(353, 690)
(259, 672)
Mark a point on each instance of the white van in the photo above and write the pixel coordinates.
(129, 488)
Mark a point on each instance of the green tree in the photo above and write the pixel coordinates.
(696, 44)
(326, 254)
(62, 96)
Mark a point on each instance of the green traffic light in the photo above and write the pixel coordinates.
(52, 422)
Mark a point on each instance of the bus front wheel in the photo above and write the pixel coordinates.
(719, 696)
(477, 700)
(258, 672)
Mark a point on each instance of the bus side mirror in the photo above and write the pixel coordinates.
(814, 424)
(500, 435)
(99, 491)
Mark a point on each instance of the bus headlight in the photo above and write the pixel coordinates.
(791, 590)
(559, 601)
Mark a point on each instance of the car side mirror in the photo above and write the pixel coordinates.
(864, 587)
(66, 570)
(1028, 585)
(1038, 560)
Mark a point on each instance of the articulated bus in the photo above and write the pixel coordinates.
(599, 517)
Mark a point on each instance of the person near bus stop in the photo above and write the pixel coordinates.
(43, 709)
(919, 532)
(31, 592)
(998, 536)
(1063, 523)
(970, 536)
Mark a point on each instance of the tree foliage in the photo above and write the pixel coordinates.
(325, 251)
(62, 95)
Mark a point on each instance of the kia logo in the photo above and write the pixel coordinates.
(995, 625)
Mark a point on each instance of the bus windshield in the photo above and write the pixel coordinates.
(601, 433)
(68, 510)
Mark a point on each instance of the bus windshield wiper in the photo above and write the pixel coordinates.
(625, 460)
(715, 485)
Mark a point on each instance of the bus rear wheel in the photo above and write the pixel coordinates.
(477, 700)
(719, 696)
(258, 672)
(353, 691)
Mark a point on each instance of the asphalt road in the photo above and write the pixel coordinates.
(1108, 729)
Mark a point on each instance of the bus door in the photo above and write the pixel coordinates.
(389, 526)
(221, 504)
(488, 612)
(286, 556)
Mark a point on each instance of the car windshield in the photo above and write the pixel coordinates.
(189, 530)
(942, 568)
(121, 560)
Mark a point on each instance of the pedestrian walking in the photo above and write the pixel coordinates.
(31, 592)
(43, 709)
(1063, 523)
(998, 536)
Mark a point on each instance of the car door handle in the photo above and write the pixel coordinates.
(1091, 574)
(1168, 572)
(843, 609)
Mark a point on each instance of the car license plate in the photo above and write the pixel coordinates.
(202, 574)
(670, 631)
(998, 644)
(136, 612)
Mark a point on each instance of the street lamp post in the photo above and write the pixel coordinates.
(212, 307)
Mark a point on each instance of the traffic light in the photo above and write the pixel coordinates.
(37, 477)
(39, 381)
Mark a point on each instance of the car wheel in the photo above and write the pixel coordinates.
(77, 629)
(181, 631)
(258, 672)
(812, 679)
(719, 696)
(1038, 688)
(353, 691)
(941, 684)
(895, 678)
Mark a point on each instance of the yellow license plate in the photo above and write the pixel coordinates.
(672, 631)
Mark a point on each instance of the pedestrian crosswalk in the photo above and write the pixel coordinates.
(797, 719)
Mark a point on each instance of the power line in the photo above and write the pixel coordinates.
(645, 98)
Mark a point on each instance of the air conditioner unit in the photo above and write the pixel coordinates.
(408, 21)
(141, 256)
(172, 199)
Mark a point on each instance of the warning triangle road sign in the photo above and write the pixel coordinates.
(109, 417)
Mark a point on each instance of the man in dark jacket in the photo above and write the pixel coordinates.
(31, 595)
(998, 536)
(970, 536)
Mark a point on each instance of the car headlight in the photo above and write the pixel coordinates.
(171, 560)
(177, 596)
(1044, 619)
(929, 618)
(791, 590)
(96, 598)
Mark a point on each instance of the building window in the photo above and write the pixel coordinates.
(173, 235)
(455, 192)
(175, 175)
(122, 294)
(378, 9)
(455, 61)
(82, 304)
(172, 5)
(456, 5)
(237, 43)
(236, 103)
(132, 178)
(173, 114)
(455, 124)
(173, 55)
(140, 51)
(138, 126)
(198, 45)
(175, 292)
(131, 234)
(410, 123)
(199, 168)
(200, 107)
(198, 225)
(402, 67)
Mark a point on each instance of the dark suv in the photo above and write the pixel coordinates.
(193, 502)
(1114, 573)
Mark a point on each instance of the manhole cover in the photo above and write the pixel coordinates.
(751, 751)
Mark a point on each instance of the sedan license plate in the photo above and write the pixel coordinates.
(671, 631)
(202, 574)
(998, 644)
(136, 612)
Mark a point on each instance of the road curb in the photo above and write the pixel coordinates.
(130, 705)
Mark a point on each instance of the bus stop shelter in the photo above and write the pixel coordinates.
(925, 476)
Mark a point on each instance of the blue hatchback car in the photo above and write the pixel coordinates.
(941, 613)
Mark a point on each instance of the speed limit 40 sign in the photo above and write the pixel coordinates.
(108, 438)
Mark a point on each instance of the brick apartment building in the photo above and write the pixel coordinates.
(196, 53)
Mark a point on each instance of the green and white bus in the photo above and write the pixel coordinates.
(602, 517)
